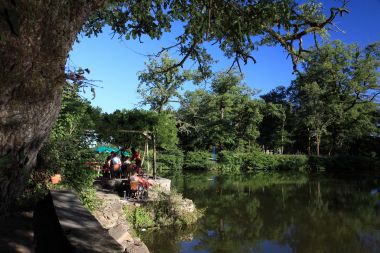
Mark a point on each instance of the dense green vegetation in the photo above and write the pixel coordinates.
(329, 112)
(67, 151)
(328, 118)
(167, 210)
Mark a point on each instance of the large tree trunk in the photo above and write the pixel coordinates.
(35, 38)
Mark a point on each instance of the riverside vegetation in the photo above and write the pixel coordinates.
(166, 209)
(326, 119)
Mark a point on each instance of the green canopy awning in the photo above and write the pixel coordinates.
(104, 149)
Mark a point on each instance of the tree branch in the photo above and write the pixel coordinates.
(180, 64)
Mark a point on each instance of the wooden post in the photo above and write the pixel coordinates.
(147, 154)
(154, 157)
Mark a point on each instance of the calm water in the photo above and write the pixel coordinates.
(276, 213)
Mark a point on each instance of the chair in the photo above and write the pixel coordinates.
(138, 191)
(135, 189)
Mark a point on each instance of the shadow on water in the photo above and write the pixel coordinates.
(276, 212)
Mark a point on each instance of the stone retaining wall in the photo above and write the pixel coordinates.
(82, 230)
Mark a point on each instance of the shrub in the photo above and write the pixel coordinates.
(138, 216)
(294, 162)
(199, 160)
(236, 161)
(173, 209)
(170, 160)
(261, 161)
(89, 198)
(166, 210)
(69, 157)
(247, 161)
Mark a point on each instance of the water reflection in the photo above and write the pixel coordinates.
(272, 212)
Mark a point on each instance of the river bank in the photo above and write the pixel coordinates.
(110, 215)
(125, 218)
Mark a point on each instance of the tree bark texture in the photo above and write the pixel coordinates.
(35, 39)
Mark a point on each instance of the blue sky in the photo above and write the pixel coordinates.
(115, 62)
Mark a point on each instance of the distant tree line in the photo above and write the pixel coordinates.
(331, 107)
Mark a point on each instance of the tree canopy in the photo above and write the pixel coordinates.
(158, 88)
(336, 93)
(237, 27)
(225, 116)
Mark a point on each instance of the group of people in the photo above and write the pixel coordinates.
(122, 164)
(125, 164)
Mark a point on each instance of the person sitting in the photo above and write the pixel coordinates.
(137, 158)
(126, 166)
(115, 164)
(124, 153)
(142, 181)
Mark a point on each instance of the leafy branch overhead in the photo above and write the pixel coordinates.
(76, 81)
(238, 27)
(158, 88)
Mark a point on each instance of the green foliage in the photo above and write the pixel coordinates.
(128, 211)
(139, 217)
(143, 218)
(238, 27)
(260, 161)
(239, 161)
(67, 150)
(199, 160)
(170, 160)
(166, 210)
(273, 133)
(88, 197)
(231, 161)
(334, 97)
(226, 116)
(166, 132)
(75, 117)
(114, 128)
(159, 88)
(68, 156)
(36, 189)
(170, 209)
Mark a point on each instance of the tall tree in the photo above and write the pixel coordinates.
(276, 113)
(159, 88)
(337, 91)
(36, 37)
(273, 135)
(225, 116)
